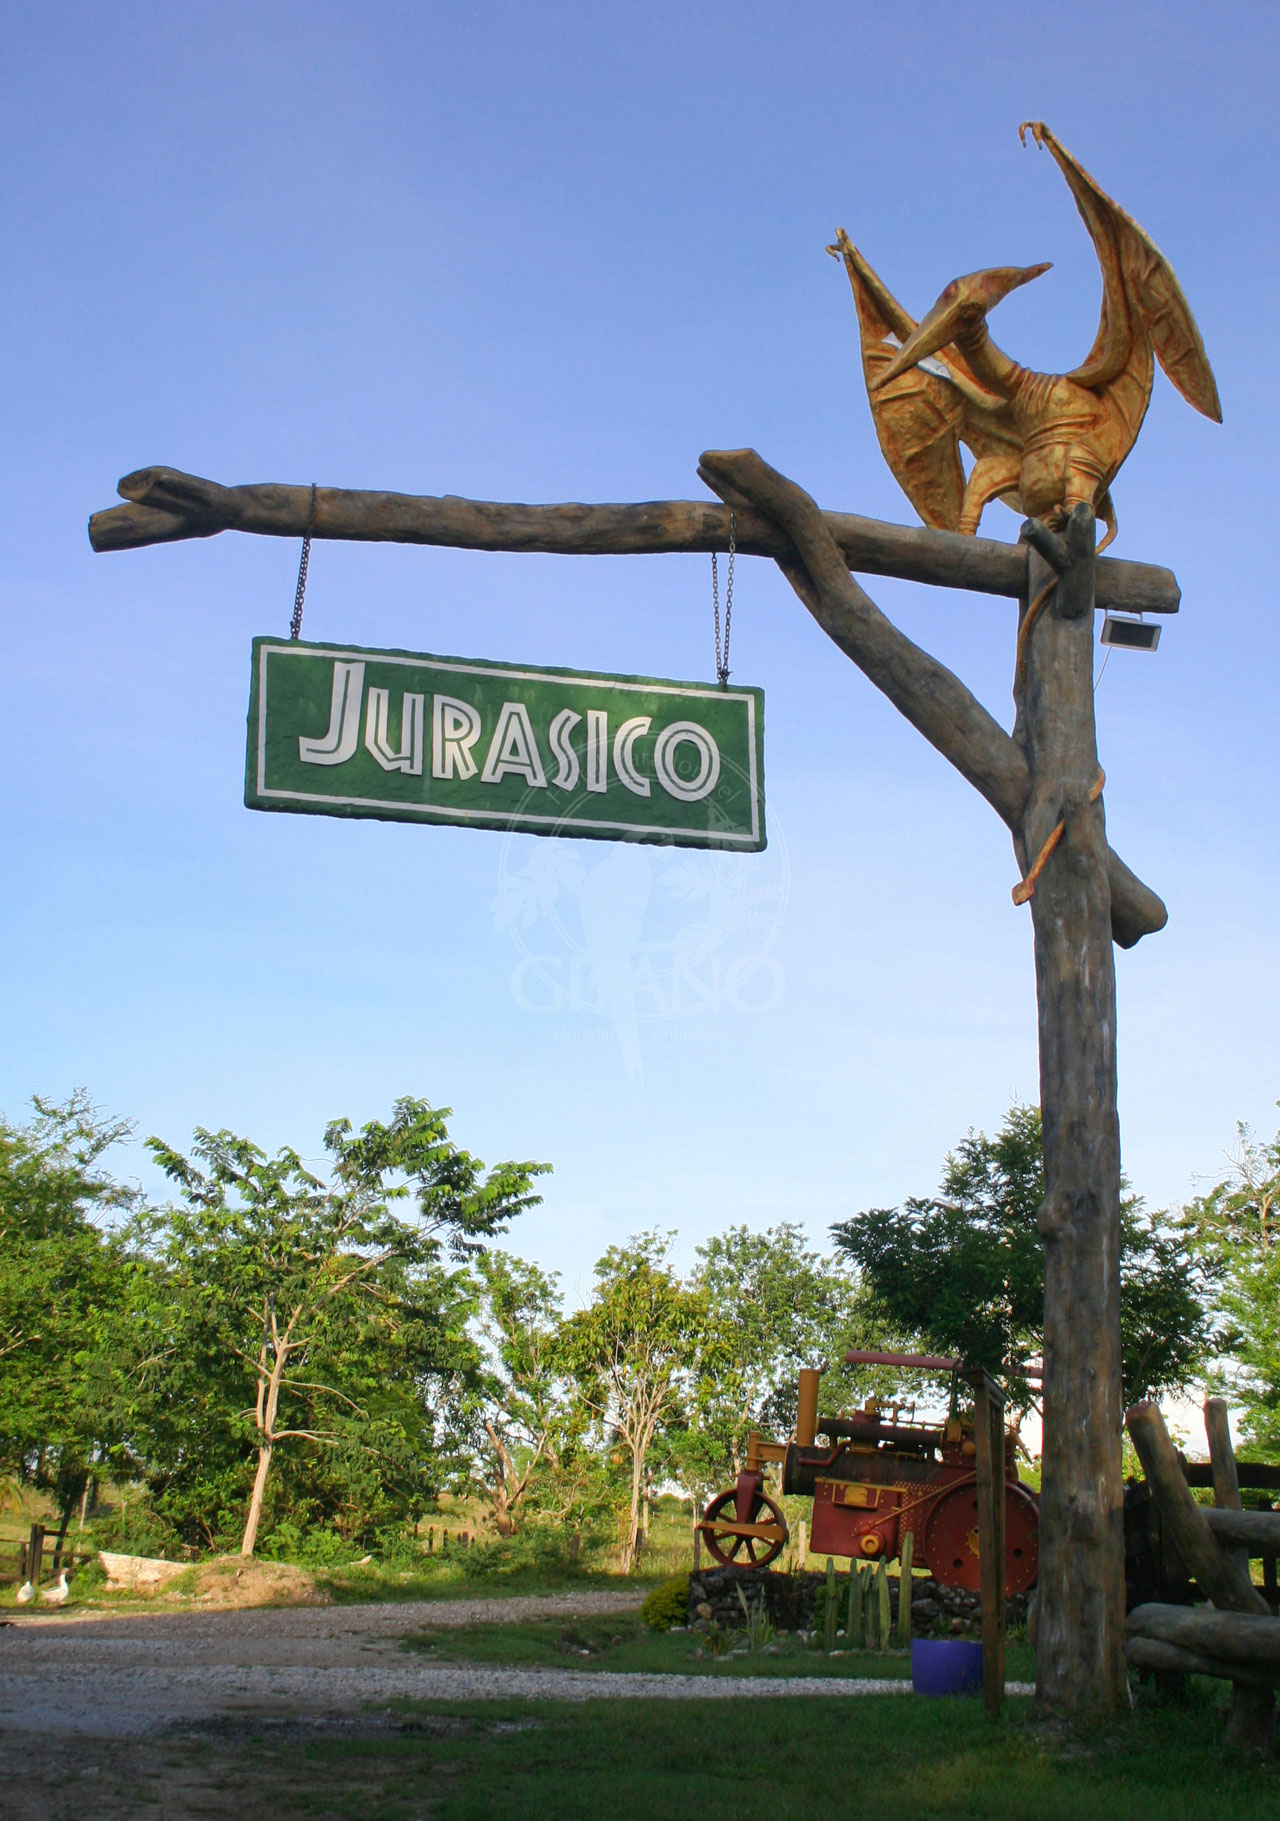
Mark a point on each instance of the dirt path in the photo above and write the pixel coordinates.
(183, 1716)
(141, 1676)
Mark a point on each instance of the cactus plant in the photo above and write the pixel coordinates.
(883, 1613)
(871, 1605)
(904, 1587)
(831, 1609)
(853, 1623)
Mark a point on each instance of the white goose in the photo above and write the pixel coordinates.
(26, 1593)
(56, 1596)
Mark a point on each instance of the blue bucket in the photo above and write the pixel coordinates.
(946, 1666)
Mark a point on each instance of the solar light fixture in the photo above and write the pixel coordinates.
(1131, 634)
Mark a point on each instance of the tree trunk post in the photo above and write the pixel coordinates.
(632, 1547)
(250, 1538)
(64, 1524)
(1222, 1457)
(1080, 1624)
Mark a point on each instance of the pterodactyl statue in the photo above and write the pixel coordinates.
(1042, 442)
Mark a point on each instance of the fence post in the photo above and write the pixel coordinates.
(35, 1553)
(989, 1461)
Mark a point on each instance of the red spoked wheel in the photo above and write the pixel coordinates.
(951, 1538)
(736, 1541)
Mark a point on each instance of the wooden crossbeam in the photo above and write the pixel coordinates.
(1253, 1532)
(167, 505)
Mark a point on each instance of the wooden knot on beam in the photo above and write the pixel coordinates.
(1026, 891)
(1064, 1211)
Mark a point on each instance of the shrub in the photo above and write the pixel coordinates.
(90, 1577)
(667, 1605)
(396, 1546)
(134, 1527)
(315, 1547)
(544, 1550)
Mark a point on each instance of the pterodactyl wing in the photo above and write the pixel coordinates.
(921, 417)
(1138, 283)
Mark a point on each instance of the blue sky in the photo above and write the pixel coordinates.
(554, 253)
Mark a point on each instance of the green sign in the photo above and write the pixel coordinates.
(337, 730)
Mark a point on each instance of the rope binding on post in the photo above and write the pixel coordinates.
(1023, 893)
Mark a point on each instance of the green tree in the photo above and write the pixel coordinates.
(963, 1272)
(319, 1300)
(773, 1306)
(632, 1352)
(64, 1295)
(1235, 1229)
(518, 1409)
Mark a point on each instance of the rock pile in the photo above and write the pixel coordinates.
(794, 1601)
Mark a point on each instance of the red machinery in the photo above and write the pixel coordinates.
(877, 1478)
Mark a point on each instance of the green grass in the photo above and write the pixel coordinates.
(877, 1758)
(364, 1586)
(621, 1642)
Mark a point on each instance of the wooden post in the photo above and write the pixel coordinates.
(1222, 1458)
(989, 1464)
(35, 1554)
(1252, 1721)
(1080, 1605)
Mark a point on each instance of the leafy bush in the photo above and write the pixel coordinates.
(547, 1551)
(135, 1527)
(311, 1548)
(90, 1577)
(396, 1546)
(667, 1605)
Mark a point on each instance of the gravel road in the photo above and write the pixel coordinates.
(139, 1676)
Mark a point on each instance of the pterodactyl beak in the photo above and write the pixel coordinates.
(964, 302)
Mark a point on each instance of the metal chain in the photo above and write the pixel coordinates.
(295, 624)
(722, 657)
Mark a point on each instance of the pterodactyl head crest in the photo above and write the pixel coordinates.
(962, 307)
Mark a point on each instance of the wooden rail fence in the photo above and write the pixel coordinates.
(1238, 1636)
(29, 1562)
